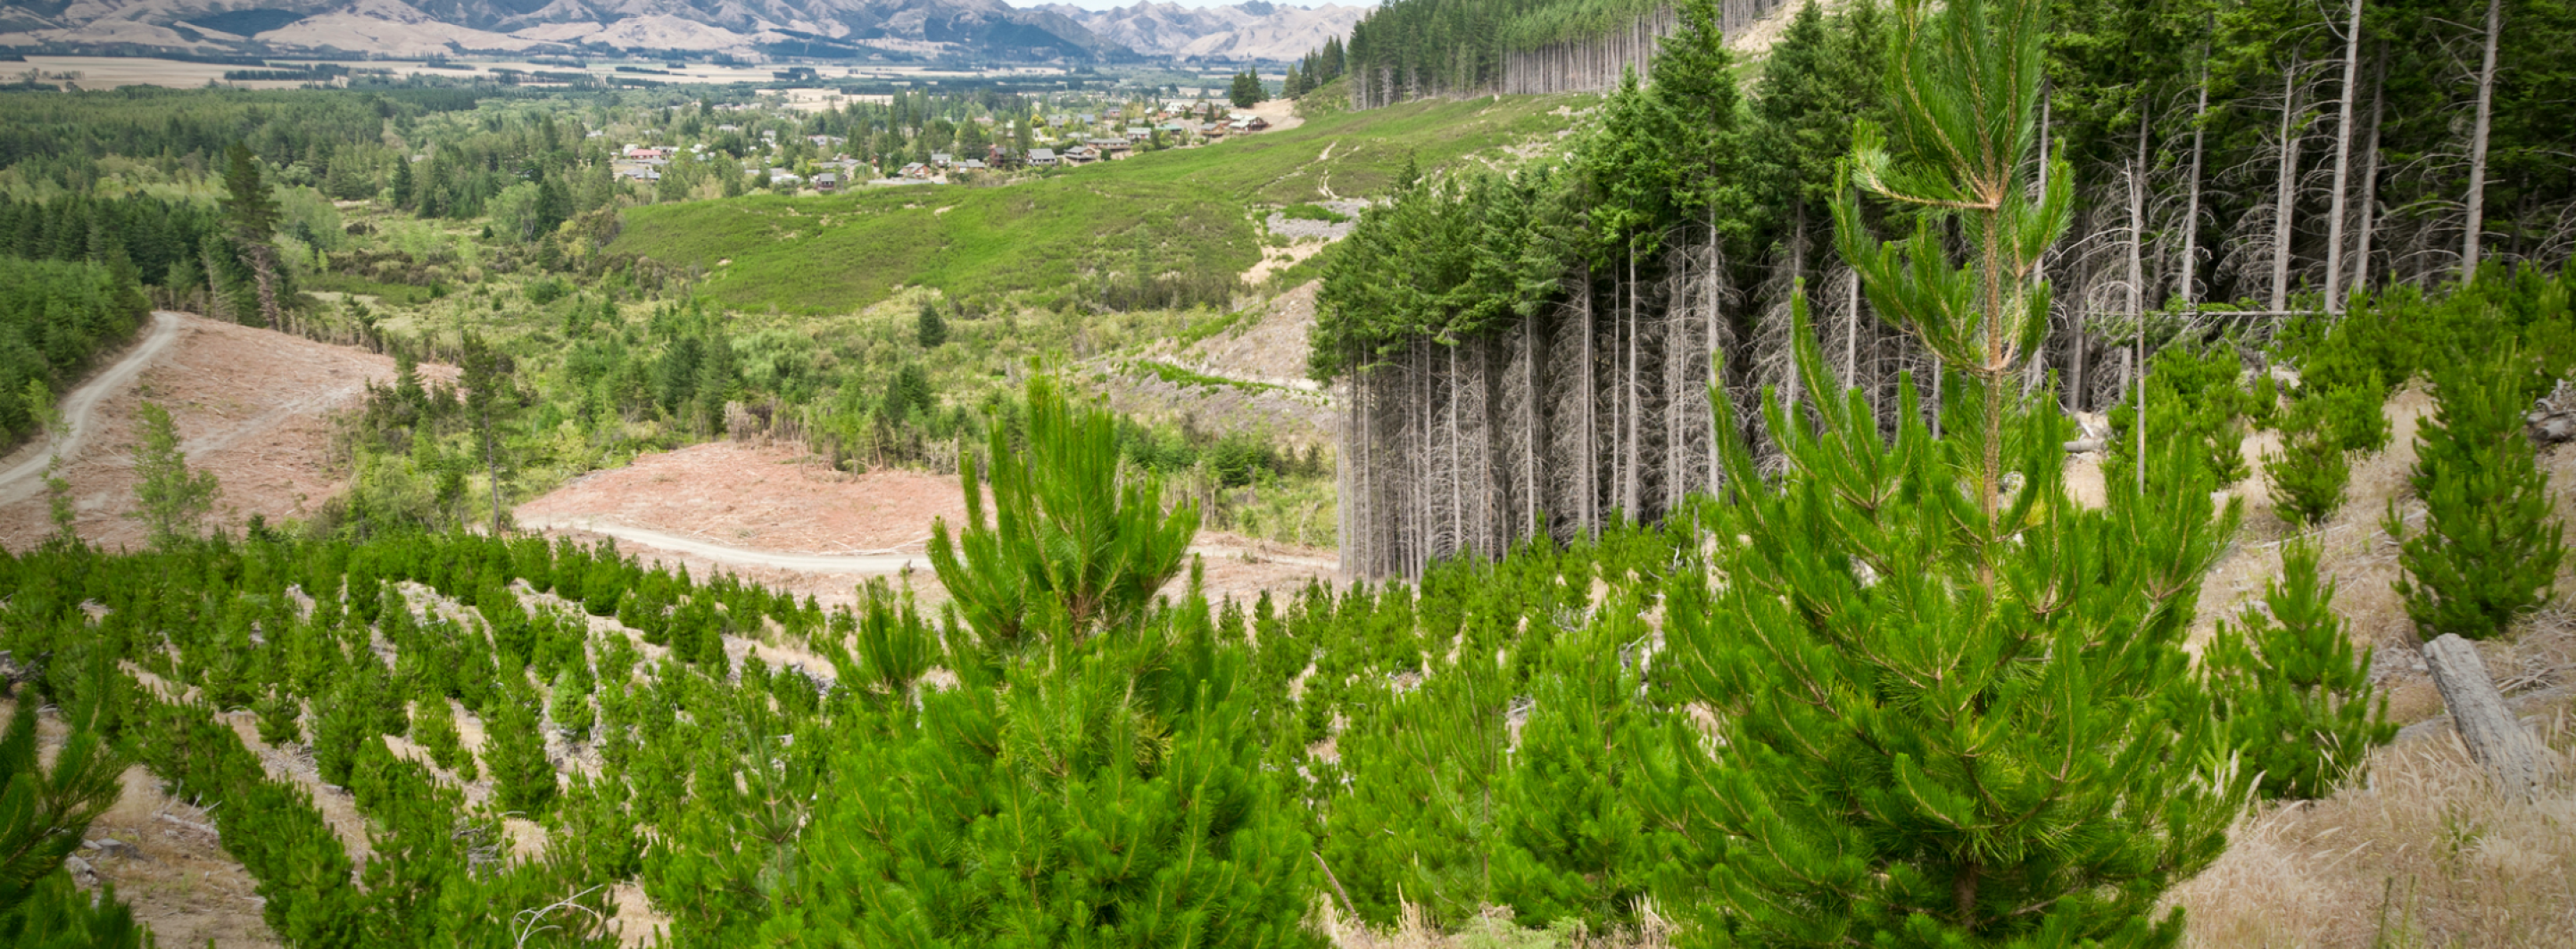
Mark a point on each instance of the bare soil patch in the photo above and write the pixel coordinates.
(253, 406)
(778, 499)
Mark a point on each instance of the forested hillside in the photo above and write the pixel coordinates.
(1547, 358)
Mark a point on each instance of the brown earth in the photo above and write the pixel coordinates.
(764, 500)
(253, 406)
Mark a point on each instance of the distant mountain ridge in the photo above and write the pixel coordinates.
(1252, 30)
(978, 29)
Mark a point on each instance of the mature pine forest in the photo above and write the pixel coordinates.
(1544, 362)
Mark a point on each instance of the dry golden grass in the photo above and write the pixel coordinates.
(2419, 852)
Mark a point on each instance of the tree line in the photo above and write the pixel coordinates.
(1545, 353)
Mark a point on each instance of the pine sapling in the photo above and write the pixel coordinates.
(2489, 548)
(2296, 697)
(2310, 470)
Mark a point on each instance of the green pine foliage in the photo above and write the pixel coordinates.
(1067, 549)
(433, 725)
(1913, 746)
(2192, 398)
(280, 718)
(929, 328)
(1573, 844)
(45, 809)
(568, 704)
(2295, 696)
(2311, 469)
(2488, 548)
(515, 750)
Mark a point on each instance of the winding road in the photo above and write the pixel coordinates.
(22, 480)
(738, 556)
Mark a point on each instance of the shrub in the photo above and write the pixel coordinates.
(2489, 549)
(2310, 470)
(2296, 698)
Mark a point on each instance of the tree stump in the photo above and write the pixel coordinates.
(2552, 419)
(2516, 761)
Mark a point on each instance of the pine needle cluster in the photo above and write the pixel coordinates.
(2296, 697)
(2488, 549)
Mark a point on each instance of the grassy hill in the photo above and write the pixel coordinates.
(1183, 210)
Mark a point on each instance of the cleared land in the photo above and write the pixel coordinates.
(253, 406)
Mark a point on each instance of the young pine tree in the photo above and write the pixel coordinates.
(515, 750)
(433, 724)
(569, 706)
(2294, 695)
(930, 329)
(2488, 549)
(1952, 704)
(2311, 469)
(1066, 546)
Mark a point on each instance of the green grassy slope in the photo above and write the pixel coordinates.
(1179, 210)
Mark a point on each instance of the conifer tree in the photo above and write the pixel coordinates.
(929, 329)
(1066, 547)
(1573, 844)
(433, 724)
(2488, 550)
(569, 705)
(515, 750)
(253, 214)
(2311, 469)
(1953, 705)
(2296, 698)
(45, 810)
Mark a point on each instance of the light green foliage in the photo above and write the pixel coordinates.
(44, 810)
(1573, 843)
(433, 724)
(2311, 468)
(169, 499)
(2488, 548)
(2193, 399)
(1911, 747)
(2295, 696)
(569, 705)
(515, 750)
(1067, 549)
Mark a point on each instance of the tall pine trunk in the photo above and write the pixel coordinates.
(2343, 159)
(2370, 174)
(2284, 197)
(2477, 199)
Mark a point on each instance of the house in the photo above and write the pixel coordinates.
(941, 159)
(914, 170)
(1138, 133)
(641, 152)
(1043, 157)
(971, 164)
(1109, 147)
(1081, 154)
(827, 182)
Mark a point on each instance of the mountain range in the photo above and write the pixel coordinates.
(832, 29)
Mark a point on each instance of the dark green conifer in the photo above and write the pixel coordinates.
(1951, 704)
(2488, 549)
(2296, 698)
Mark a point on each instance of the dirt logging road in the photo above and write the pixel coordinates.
(22, 480)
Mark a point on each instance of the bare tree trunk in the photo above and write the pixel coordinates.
(2343, 160)
(1629, 393)
(2478, 144)
(1529, 421)
(1716, 386)
(2137, 296)
(1591, 414)
(2191, 208)
(2288, 187)
(2370, 175)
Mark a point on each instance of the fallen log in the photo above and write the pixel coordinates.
(2513, 758)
